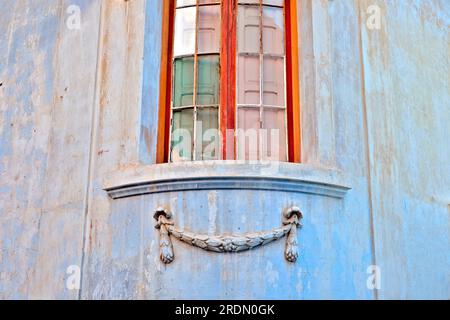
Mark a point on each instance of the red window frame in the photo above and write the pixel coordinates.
(227, 109)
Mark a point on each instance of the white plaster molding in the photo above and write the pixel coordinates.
(225, 175)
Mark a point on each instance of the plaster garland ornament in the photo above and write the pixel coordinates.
(228, 244)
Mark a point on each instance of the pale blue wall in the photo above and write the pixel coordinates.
(77, 105)
(408, 108)
(150, 92)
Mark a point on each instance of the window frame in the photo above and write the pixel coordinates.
(228, 75)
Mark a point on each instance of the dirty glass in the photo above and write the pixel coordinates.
(249, 29)
(208, 147)
(249, 82)
(279, 3)
(261, 80)
(185, 26)
(273, 30)
(183, 85)
(209, 29)
(248, 133)
(182, 135)
(200, 2)
(274, 88)
(274, 144)
(196, 79)
(208, 80)
(182, 3)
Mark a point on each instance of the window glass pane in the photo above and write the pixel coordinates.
(247, 134)
(208, 139)
(182, 135)
(249, 35)
(249, 80)
(273, 139)
(208, 1)
(181, 3)
(249, 1)
(279, 3)
(209, 29)
(273, 30)
(184, 42)
(208, 80)
(183, 92)
(274, 92)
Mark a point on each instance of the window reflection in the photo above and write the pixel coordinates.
(209, 29)
(196, 80)
(273, 30)
(261, 92)
(185, 26)
(260, 72)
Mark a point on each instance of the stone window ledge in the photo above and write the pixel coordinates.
(222, 175)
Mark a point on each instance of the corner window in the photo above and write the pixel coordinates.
(229, 75)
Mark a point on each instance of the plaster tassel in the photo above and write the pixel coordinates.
(292, 217)
(165, 243)
(291, 245)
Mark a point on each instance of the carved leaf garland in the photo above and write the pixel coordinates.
(228, 244)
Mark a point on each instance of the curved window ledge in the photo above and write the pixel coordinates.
(223, 175)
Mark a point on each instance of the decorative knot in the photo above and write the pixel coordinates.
(293, 216)
(163, 217)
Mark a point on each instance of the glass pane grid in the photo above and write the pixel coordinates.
(196, 81)
(260, 106)
(193, 3)
(261, 77)
(276, 3)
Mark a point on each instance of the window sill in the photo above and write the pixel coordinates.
(223, 175)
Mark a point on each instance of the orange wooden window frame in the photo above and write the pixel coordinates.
(228, 80)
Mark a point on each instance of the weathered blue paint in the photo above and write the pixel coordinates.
(408, 99)
(150, 86)
(80, 106)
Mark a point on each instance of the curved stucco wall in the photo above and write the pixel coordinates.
(77, 105)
